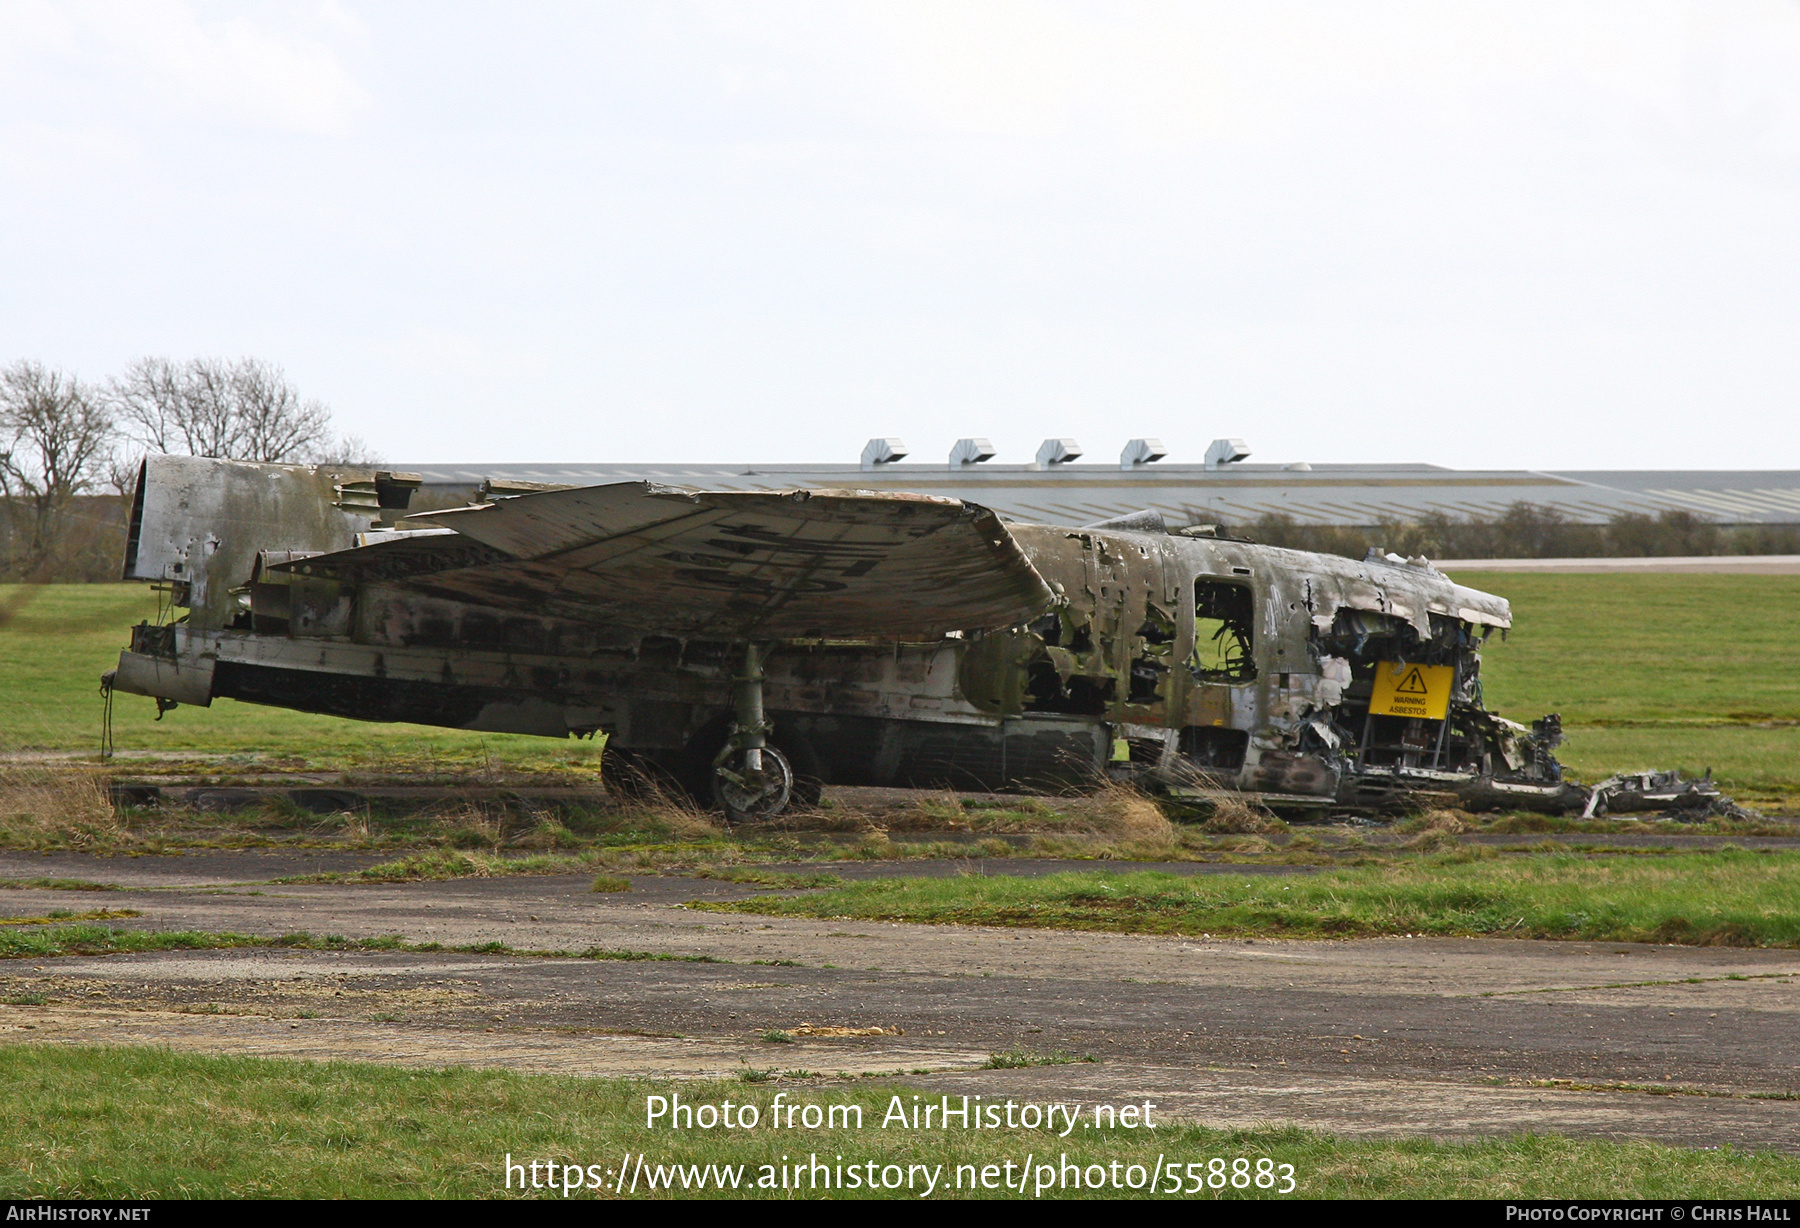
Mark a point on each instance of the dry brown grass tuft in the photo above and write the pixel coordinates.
(468, 826)
(948, 811)
(1245, 844)
(686, 821)
(350, 825)
(874, 846)
(938, 811)
(1232, 815)
(676, 812)
(947, 802)
(1453, 821)
(847, 819)
(658, 801)
(549, 832)
(1435, 840)
(1126, 814)
(1435, 830)
(60, 806)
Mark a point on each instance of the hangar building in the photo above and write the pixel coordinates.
(1061, 488)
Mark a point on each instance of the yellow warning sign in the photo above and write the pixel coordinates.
(1412, 690)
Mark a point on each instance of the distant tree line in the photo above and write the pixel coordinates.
(69, 449)
(1531, 531)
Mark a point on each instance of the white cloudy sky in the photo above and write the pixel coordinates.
(1555, 235)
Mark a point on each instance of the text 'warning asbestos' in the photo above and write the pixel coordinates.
(1402, 689)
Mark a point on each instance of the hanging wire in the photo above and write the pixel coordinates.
(106, 716)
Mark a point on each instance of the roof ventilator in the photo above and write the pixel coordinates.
(969, 452)
(882, 451)
(1141, 452)
(1226, 452)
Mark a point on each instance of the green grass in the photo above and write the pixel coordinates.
(606, 953)
(717, 858)
(63, 914)
(774, 880)
(112, 940)
(149, 1123)
(1655, 648)
(437, 865)
(56, 884)
(1730, 897)
(1019, 1059)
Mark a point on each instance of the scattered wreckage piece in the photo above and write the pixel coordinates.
(748, 647)
(1667, 792)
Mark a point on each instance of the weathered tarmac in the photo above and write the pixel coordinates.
(1402, 1036)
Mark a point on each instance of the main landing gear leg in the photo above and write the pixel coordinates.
(751, 779)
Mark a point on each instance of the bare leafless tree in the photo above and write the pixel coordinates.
(274, 424)
(159, 406)
(56, 443)
(352, 451)
(244, 410)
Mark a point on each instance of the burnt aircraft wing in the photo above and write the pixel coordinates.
(718, 564)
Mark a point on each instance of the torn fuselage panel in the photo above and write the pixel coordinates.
(1280, 651)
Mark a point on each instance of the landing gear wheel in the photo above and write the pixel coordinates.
(753, 795)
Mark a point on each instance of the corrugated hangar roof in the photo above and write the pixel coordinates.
(1239, 493)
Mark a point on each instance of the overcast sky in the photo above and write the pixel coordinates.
(1557, 235)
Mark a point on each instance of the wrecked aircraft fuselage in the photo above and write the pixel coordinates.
(751, 646)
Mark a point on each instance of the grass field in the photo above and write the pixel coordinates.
(1728, 898)
(147, 1123)
(1657, 671)
(1656, 649)
(1758, 765)
(1648, 671)
(58, 938)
